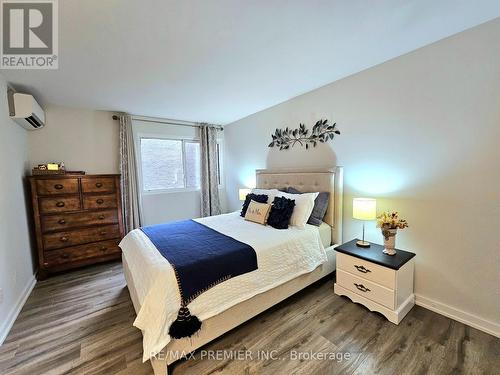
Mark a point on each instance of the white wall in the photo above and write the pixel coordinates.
(421, 133)
(16, 264)
(160, 207)
(83, 139)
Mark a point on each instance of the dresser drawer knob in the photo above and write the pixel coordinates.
(65, 256)
(60, 204)
(101, 217)
(64, 239)
(362, 269)
(62, 221)
(361, 287)
(102, 232)
(98, 185)
(100, 201)
(58, 186)
(103, 248)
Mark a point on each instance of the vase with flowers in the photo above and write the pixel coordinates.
(390, 222)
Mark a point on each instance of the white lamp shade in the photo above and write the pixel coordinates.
(243, 193)
(364, 208)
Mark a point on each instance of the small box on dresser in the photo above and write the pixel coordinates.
(78, 220)
(381, 282)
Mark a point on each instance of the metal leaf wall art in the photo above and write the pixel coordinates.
(321, 132)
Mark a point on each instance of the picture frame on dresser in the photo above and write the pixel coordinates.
(77, 220)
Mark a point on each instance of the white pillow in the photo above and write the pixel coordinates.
(271, 193)
(304, 204)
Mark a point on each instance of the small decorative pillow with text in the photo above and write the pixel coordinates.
(304, 204)
(281, 212)
(258, 212)
(271, 193)
(261, 198)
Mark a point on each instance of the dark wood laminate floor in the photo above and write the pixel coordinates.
(81, 323)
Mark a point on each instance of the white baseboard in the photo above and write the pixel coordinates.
(461, 316)
(16, 309)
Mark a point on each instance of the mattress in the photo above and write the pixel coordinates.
(282, 255)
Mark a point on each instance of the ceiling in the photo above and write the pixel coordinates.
(221, 60)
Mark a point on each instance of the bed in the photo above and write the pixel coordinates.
(145, 276)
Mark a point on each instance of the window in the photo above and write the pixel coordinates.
(171, 164)
(192, 156)
(161, 161)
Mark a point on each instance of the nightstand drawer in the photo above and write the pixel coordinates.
(367, 270)
(365, 288)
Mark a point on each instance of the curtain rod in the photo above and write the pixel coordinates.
(165, 121)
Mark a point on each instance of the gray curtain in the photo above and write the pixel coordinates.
(129, 180)
(210, 202)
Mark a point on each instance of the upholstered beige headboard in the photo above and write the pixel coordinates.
(309, 181)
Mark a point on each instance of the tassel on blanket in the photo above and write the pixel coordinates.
(185, 325)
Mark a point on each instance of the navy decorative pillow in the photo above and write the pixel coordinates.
(320, 206)
(260, 198)
(281, 212)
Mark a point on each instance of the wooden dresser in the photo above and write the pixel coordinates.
(78, 220)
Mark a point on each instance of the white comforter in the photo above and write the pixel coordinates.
(281, 255)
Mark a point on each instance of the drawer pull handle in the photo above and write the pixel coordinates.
(60, 204)
(64, 239)
(362, 269)
(103, 248)
(361, 287)
(65, 256)
(58, 186)
(102, 233)
(62, 221)
(100, 201)
(101, 217)
(98, 185)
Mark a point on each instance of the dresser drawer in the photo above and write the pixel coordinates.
(57, 186)
(91, 202)
(65, 221)
(80, 236)
(367, 289)
(98, 185)
(77, 253)
(367, 270)
(59, 204)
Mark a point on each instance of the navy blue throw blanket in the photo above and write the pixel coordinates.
(201, 258)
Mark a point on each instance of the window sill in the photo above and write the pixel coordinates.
(169, 191)
(174, 191)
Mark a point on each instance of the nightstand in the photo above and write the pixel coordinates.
(382, 283)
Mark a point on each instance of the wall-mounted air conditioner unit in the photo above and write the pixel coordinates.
(25, 110)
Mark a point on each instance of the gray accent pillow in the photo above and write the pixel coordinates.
(320, 206)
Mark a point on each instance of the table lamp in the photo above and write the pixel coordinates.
(243, 193)
(364, 209)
